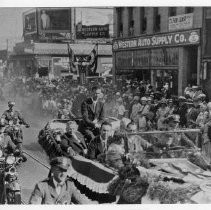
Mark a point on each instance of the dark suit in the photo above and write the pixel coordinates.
(87, 127)
(67, 140)
(45, 193)
(95, 148)
(182, 113)
(191, 116)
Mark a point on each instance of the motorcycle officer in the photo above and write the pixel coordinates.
(6, 147)
(6, 144)
(11, 114)
(15, 117)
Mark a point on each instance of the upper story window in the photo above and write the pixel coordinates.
(189, 10)
(119, 22)
(156, 19)
(172, 11)
(143, 20)
(130, 21)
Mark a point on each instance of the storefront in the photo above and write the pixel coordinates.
(53, 60)
(167, 57)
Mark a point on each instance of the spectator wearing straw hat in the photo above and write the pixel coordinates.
(161, 114)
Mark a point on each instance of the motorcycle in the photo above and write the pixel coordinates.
(14, 130)
(10, 192)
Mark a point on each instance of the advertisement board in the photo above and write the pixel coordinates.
(92, 31)
(54, 20)
(29, 22)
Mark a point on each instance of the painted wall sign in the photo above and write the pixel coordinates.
(179, 22)
(170, 39)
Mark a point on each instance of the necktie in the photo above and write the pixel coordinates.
(59, 187)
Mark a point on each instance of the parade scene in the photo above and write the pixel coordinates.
(105, 105)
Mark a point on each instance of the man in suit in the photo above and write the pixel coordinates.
(93, 114)
(58, 188)
(98, 145)
(72, 142)
(192, 112)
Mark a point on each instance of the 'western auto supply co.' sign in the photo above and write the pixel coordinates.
(170, 39)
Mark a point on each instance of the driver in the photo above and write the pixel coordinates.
(12, 115)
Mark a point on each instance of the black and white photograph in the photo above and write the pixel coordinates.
(105, 104)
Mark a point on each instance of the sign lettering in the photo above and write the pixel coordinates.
(179, 22)
(161, 40)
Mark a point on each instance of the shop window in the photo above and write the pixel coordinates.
(156, 20)
(144, 26)
(119, 22)
(189, 10)
(172, 11)
(120, 30)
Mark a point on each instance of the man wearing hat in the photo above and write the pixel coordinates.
(6, 144)
(144, 106)
(15, 117)
(11, 114)
(57, 188)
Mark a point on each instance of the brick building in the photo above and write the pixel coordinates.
(159, 44)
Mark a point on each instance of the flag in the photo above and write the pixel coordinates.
(71, 59)
(93, 59)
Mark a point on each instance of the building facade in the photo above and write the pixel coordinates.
(51, 47)
(159, 44)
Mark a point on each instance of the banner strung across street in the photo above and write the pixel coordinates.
(170, 39)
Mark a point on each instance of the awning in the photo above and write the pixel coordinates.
(78, 49)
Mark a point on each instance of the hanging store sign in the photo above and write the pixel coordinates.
(92, 31)
(191, 37)
(179, 22)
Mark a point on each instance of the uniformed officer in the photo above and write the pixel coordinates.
(58, 188)
(12, 115)
(6, 144)
(15, 117)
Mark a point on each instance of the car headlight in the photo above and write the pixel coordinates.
(1, 153)
(10, 160)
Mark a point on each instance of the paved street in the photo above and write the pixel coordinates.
(31, 171)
